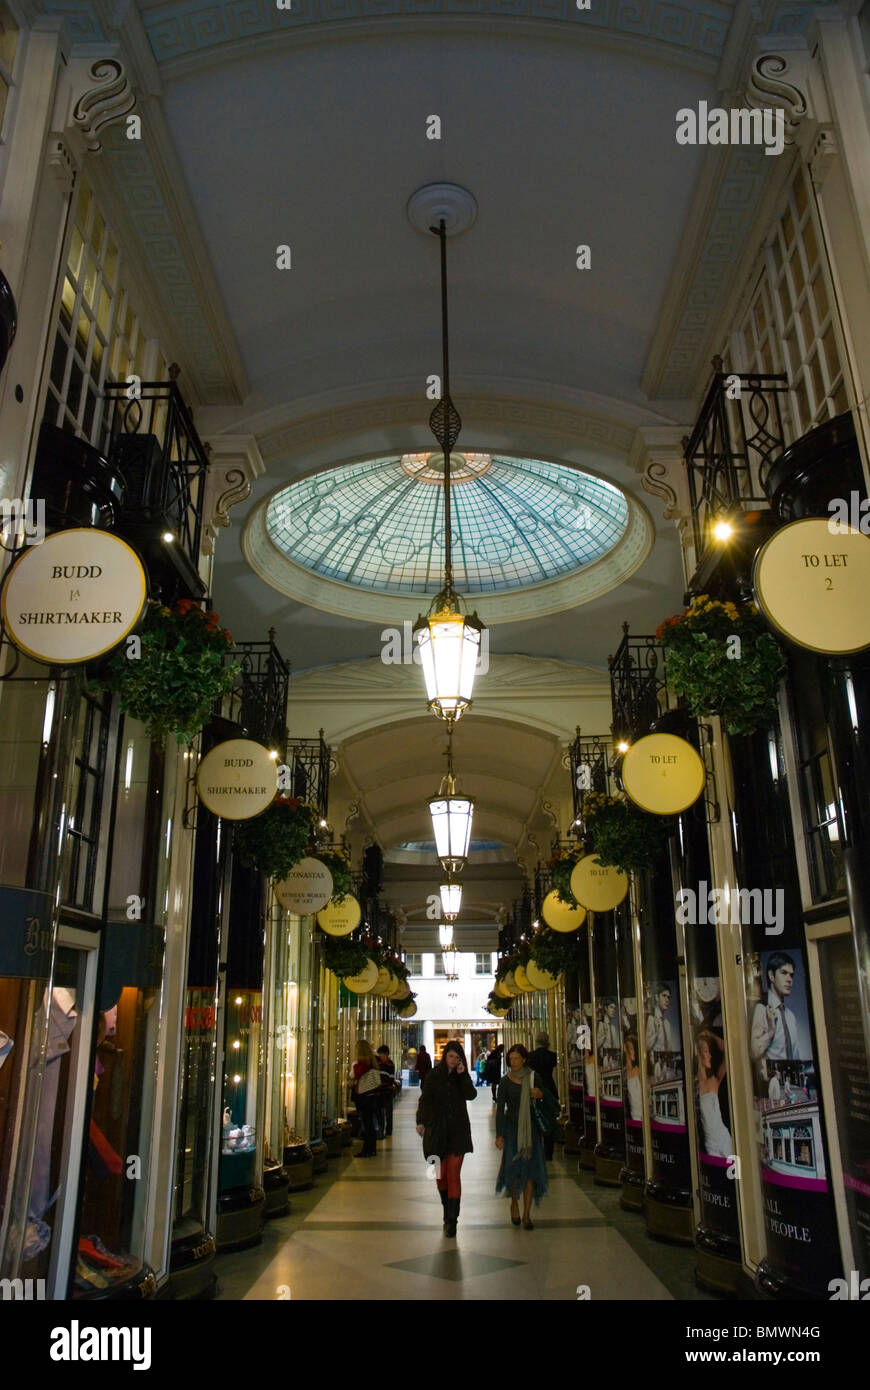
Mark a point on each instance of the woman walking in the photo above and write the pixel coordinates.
(442, 1120)
(543, 1062)
(365, 1095)
(523, 1166)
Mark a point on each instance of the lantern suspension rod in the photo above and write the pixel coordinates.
(447, 441)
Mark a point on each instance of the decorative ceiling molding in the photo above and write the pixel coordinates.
(234, 464)
(582, 425)
(680, 31)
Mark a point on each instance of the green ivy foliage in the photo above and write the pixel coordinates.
(278, 838)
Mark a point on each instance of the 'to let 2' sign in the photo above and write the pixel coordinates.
(663, 774)
(598, 887)
(237, 779)
(74, 597)
(811, 580)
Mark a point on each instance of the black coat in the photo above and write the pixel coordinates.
(443, 1112)
(544, 1063)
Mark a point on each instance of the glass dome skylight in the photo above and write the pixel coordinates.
(379, 525)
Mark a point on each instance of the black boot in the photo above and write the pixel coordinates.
(452, 1210)
(444, 1200)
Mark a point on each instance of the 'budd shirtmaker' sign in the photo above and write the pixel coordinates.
(237, 779)
(74, 597)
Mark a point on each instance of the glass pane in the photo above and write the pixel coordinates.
(110, 266)
(817, 382)
(811, 246)
(97, 358)
(90, 408)
(76, 248)
(193, 1160)
(797, 273)
(800, 193)
(238, 1163)
(831, 357)
(787, 229)
(821, 295)
(806, 319)
(73, 395)
(67, 304)
(784, 299)
(83, 329)
(802, 403)
(103, 312)
(792, 354)
(777, 254)
(97, 233)
(83, 207)
(58, 363)
(90, 282)
(841, 403)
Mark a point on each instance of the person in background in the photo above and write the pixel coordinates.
(544, 1062)
(479, 1066)
(442, 1120)
(423, 1065)
(385, 1094)
(366, 1101)
(523, 1166)
(492, 1072)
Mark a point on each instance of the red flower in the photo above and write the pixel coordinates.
(291, 802)
(184, 605)
(211, 621)
(227, 636)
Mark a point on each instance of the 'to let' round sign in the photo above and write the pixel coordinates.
(74, 597)
(596, 887)
(307, 888)
(811, 580)
(237, 779)
(663, 774)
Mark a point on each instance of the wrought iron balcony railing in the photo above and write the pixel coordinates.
(163, 462)
(637, 686)
(308, 761)
(258, 700)
(738, 435)
(591, 759)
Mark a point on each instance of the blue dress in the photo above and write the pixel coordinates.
(515, 1172)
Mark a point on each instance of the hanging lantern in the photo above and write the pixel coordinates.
(445, 935)
(451, 900)
(451, 818)
(449, 646)
(448, 640)
(448, 960)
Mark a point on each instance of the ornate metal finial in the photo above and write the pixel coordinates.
(174, 371)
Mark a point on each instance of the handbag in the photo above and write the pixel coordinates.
(546, 1112)
(368, 1082)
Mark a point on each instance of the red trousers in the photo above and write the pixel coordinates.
(451, 1167)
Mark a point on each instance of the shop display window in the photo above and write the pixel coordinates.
(194, 1143)
(112, 1231)
(238, 1165)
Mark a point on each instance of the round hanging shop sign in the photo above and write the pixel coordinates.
(365, 981)
(561, 916)
(237, 779)
(812, 585)
(663, 774)
(307, 888)
(74, 597)
(598, 888)
(522, 981)
(408, 1011)
(541, 979)
(340, 919)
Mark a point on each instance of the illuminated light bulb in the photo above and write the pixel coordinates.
(238, 999)
(237, 1079)
(168, 537)
(622, 746)
(723, 530)
(237, 1044)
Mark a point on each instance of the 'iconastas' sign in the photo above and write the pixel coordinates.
(813, 585)
(596, 887)
(663, 773)
(74, 597)
(237, 779)
(306, 889)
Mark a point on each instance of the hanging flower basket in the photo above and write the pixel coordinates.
(180, 674)
(622, 834)
(715, 674)
(556, 952)
(345, 958)
(338, 865)
(561, 866)
(278, 838)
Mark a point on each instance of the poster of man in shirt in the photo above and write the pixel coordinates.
(784, 1069)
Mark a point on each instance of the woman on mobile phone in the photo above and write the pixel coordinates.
(442, 1120)
(523, 1165)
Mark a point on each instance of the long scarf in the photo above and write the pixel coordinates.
(524, 1129)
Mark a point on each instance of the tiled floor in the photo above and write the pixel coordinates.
(373, 1229)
